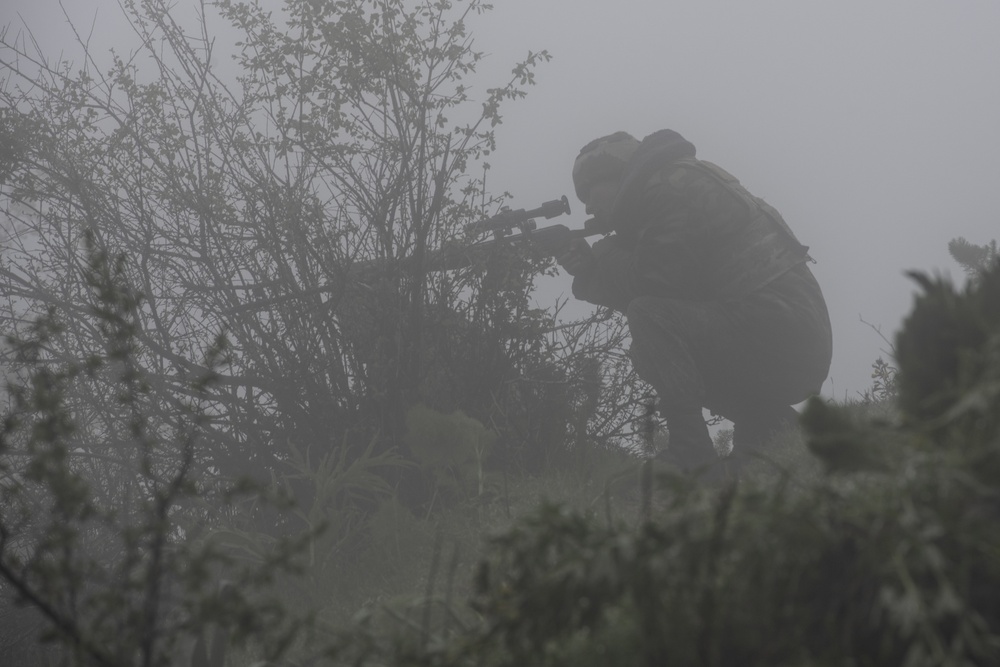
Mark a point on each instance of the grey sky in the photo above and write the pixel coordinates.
(873, 126)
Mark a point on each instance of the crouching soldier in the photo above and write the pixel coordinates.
(722, 308)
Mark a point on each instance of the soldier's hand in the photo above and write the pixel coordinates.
(578, 258)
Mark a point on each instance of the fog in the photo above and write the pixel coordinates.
(871, 126)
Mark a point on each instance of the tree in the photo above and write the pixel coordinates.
(973, 258)
(887, 559)
(235, 189)
(245, 203)
(243, 185)
(243, 206)
(115, 564)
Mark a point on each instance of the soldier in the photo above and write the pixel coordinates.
(722, 308)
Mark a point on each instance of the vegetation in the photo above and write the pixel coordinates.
(284, 190)
(262, 210)
(973, 258)
(209, 459)
(115, 562)
(888, 556)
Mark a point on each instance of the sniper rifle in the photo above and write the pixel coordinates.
(545, 242)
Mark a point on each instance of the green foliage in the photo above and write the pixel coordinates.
(884, 383)
(128, 525)
(336, 497)
(844, 443)
(109, 561)
(247, 180)
(452, 448)
(892, 559)
(945, 350)
(973, 258)
(243, 204)
(339, 133)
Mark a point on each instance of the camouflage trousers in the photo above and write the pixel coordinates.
(747, 360)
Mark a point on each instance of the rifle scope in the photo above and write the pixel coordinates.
(504, 221)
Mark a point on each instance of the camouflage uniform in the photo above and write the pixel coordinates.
(723, 310)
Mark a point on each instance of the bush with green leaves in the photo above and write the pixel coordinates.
(892, 557)
(282, 176)
(252, 185)
(972, 257)
(104, 545)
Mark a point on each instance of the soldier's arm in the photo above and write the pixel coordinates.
(605, 280)
(674, 247)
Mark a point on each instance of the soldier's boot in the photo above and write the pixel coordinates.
(689, 445)
(753, 433)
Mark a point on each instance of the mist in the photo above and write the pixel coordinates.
(872, 128)
(243, 399)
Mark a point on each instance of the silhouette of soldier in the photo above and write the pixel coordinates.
(722, 308)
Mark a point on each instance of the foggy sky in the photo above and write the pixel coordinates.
(873, 127)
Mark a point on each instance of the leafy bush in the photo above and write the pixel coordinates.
(973, 258)
(451, 451)
(890, 558)
(290, 200)
(103, 544)
(250, 208)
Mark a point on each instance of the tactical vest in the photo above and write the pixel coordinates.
(765, 247)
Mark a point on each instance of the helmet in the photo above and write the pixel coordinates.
(602, 159)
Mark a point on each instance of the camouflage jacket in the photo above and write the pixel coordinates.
(687, 229)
